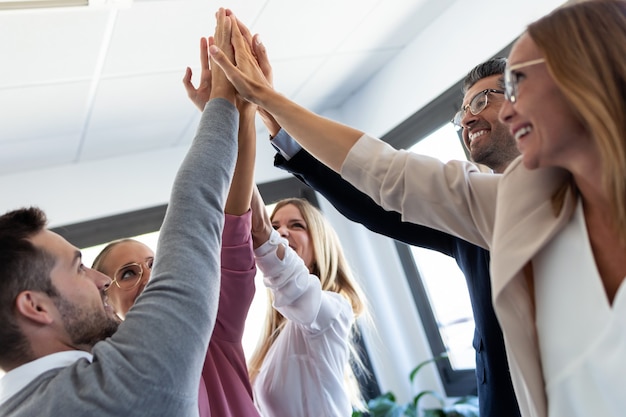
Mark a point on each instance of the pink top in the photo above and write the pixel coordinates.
(225, 373)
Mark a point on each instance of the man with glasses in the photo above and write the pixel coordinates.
(489, 143)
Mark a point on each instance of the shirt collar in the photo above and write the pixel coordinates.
(13, 381)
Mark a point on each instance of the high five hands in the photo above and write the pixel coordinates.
(244, 71)
(211, 75)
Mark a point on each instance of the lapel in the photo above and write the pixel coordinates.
(524, 223)
(525, 220)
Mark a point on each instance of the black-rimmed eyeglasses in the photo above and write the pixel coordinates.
(477, 104)
(129, 276)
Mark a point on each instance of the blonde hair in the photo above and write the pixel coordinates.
(98, 263)
(335, 275)
(584, 45)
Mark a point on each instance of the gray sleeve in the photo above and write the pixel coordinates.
(160, 348)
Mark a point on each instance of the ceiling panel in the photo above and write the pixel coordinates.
(42, 152)
(40, 47)
(44, 110)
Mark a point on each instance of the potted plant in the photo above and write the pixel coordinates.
(385, 405)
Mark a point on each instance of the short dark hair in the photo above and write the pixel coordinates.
(494, 66)
(23, 266)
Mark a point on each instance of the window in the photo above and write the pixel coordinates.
(440, 290)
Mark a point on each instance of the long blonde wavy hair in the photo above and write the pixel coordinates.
(335, 275)
(584, 45)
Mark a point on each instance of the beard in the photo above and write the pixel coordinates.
(500, 150)
(85, 328)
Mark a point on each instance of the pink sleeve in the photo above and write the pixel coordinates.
(238, 271)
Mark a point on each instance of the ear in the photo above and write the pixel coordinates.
(35, 306)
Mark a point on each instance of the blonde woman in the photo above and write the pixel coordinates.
(301, 366)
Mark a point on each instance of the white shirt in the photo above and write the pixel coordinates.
(13, 381)
(303, 372)
(582, 338)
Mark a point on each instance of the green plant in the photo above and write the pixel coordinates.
(385, 405)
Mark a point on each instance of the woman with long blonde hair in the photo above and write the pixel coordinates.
(301, 366)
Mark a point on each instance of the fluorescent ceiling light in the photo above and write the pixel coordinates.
(35, 4)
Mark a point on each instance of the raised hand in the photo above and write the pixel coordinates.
(200, 96)
(244, 72)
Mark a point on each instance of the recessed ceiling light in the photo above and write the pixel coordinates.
(36, 4)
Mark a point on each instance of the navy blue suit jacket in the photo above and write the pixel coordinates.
(495, 390)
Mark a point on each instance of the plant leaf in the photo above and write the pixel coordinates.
(424, 363)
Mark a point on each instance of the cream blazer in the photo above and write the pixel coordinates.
(509, 214)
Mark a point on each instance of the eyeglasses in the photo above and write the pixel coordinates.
(511, 78)
(129, 276)
(477, 104)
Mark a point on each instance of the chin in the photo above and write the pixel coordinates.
(529, 162)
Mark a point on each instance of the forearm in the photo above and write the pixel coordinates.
(359, 207)
(238, 201)
(454, 197)
(184, 287)
(327, 140)
(238, 272)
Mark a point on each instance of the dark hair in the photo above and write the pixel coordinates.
(494, 66)
(23, 267)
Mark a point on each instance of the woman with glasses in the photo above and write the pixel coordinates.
(225, 389)
(555, 220)
(128, 263)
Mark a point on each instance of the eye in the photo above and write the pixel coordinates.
(479, 101)
(517, 76)
(128, 273)
(298, 226)
(150, 262)
(275, 226)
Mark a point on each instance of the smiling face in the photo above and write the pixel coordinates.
(542, 121)
(122, 254)
(486, 138)
(289, 222)
(81, 304)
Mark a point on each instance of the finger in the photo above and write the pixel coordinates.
(244, 31)
(187, 82)
(218, 56)
(261, 56)
(223, 34)
(204, 53)
(237, 39)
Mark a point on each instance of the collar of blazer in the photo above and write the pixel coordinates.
(525, 222)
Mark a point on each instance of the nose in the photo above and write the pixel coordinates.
(468, 119)
(283, 231)
(101, 280)
(507, 111)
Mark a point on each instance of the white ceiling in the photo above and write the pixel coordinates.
(94, 119)
(85, 83)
